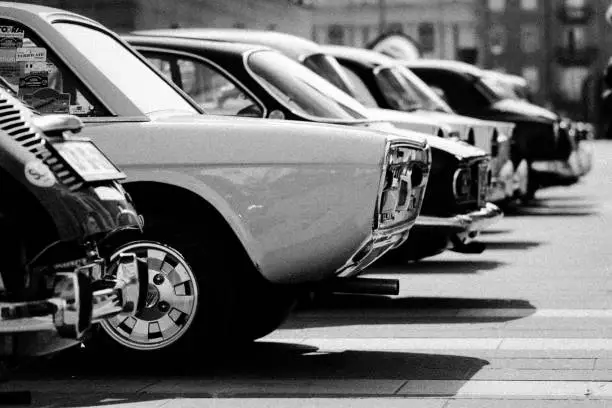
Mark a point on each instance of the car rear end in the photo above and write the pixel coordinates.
(404, 178)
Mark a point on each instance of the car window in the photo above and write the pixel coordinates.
(208, 87)
(300, 89)
(30, 71)
(462, 94)
(122, 67)
(361, 91)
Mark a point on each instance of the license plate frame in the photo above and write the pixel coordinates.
(87, 160)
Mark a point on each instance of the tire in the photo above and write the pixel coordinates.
(532, 186)
(220, 306)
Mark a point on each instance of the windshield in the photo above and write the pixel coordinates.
(398, 88)
(300, 89)
(147, 90)
(493, 94)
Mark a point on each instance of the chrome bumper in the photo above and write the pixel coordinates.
(578, 164)
(465, 226)
(79, 299)
(373, 248)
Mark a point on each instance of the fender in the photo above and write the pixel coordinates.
(203, 191)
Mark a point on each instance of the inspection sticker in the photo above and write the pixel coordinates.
(31, 54)
(39, 174)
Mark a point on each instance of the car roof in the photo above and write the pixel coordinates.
(448, 65)
(289, 44)
(43, 12)
(191, 44)
(515, 79)
(364, 56)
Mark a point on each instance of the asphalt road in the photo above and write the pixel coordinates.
(525, 324)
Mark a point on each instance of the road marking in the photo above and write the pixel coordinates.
(340, 387)
(481, 312)
(412, 344)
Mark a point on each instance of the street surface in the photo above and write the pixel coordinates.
(525, 324)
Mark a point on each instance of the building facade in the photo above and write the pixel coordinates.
(444, 28)
(292, 16)
(561, 47)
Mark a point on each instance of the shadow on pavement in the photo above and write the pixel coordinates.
(432, 266)
(257, 370)
(496, 231)
(332, 310)
(511, 245)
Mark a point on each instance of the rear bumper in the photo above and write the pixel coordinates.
(63, 319)
(379, 243)
(552, 172)
(502, 184)
(463, 226)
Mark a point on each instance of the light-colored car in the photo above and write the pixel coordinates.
(248, 79)
(256, 210)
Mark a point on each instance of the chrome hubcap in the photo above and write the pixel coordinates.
(171, 303)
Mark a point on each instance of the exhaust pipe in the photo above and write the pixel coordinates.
(364, 286)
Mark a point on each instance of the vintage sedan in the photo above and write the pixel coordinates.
(256, 210)
(545, 140)
(259, 81)
(390, 85)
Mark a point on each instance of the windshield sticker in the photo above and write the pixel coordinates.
(31, 54)
(38, 174)
(8, 54)
(29, 67)
(47, 100)
(11, 42)
(10, 72)
(11, 31)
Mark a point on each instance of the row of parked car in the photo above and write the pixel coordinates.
(258, 166)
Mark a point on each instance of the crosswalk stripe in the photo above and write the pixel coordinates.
(411, 344)
(480, 312)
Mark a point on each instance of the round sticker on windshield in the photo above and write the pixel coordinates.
(39, 174)
(276, 114)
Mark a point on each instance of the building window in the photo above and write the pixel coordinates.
(575, 38)
(427, 33)
(497, 5)
(365, 34)
(532, 76)
(497, 39)
(530, 38)
(529, 5)
(572, 81)
(335, 35)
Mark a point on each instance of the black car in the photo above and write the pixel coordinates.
(547, 141)
(245, 79)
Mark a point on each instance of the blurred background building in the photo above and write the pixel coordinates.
(559, 46)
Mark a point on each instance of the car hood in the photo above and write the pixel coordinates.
(408, 120)
(524, 110)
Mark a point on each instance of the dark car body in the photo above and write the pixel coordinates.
(453, 215)
(547, 141)
(60, 202)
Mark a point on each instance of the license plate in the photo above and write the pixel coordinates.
(88, 161)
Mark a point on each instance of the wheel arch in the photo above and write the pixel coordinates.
(197, 200)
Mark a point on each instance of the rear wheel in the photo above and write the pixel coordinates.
(203, 292)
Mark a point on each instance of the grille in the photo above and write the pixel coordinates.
(403, 185)
(14, 121)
